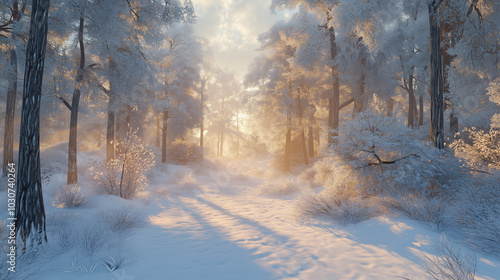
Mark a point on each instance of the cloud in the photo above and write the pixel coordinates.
(232, 27)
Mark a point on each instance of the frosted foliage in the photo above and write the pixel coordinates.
(125, 175)
(479, 149)
(382, 153)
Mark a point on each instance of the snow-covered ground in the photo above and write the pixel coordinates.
(210, 221)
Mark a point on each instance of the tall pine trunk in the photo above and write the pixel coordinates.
(334, 97)
(30, 211)
(75, 103)
(447, 58)
(437, 101)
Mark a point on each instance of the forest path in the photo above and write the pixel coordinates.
(230, 231)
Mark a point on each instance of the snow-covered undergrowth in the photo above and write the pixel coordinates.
(345, 205)
(319, 173)
(450, 263)
(477, 212)
(280, 186)
(69, 196)
(429, 210)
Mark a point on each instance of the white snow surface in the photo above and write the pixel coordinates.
(210, 221)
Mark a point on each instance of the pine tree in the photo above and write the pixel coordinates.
(30, 211)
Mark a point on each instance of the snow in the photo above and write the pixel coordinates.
(228, 229)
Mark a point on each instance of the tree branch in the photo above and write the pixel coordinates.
(64, 101)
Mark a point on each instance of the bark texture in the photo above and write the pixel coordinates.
(437, 101)
(30, 211)
(334, 96)
(75, 103)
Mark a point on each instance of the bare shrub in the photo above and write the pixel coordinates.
(183, 152)
(343, 204)
(90, 240)
(429, 210)
(450, 263)
(125, 175)
(69, 196)
(121, 219)
(281, 186)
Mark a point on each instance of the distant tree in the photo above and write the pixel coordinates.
(9, 29)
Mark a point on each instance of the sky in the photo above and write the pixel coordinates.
(232, 27)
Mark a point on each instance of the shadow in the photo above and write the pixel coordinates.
(192, 249)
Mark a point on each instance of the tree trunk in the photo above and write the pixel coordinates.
(237, 134)
(164, 137)
(445, 30)
(302, 134)
(221, 143)
(202, 116)
(310, 141)
(157, 138)
(73, 126)
(390, 107)
(288, 140)
(437, 102)
(359, 101)
(421, 109)
(30, 211)
(412, 103)
(110, 130)
(334, 98)
(218, 142)
(10, 111)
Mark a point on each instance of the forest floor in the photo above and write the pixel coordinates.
(210, 221)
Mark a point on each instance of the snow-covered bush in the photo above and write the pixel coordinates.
(125, 175)
(69, 196)
(387, 157)
(479, 149)
(182, 152)
(90, 240)
(281, 186)
(319, 173)
(449, 263)
(344, 204)
(429, 210)
(121, 219)
(477, 210)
